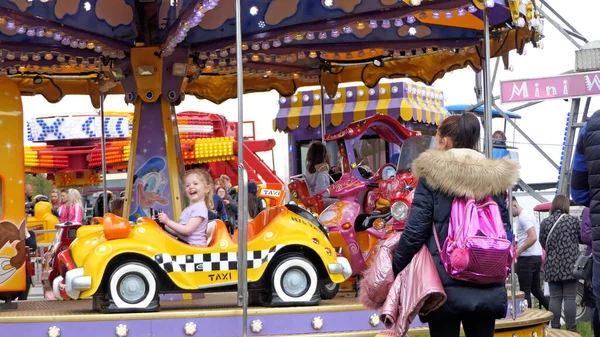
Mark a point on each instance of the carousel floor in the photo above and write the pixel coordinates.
(213, 305)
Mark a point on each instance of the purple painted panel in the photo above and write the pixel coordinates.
(307, 106)
(151, 187)
(142, 328)
(373, 100)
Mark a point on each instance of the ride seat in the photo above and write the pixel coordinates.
(260, 222)
(301, 194)
(211, 226)
(216, 231)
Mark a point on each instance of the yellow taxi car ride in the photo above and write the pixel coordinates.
(125, 266)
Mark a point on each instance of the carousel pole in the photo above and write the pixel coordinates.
(487, 92)
(103, 150)
(323, 128)
(242, 187)
(487, 139)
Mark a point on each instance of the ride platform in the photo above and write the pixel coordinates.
(216, 315)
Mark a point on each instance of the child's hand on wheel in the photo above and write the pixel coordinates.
(163, 218)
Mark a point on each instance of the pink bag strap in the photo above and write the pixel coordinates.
(437, 240)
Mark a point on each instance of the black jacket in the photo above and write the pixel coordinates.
(585, 178)
(442, 176)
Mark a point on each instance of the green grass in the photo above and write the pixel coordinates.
(585, 329)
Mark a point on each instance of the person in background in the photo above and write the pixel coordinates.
(28, 193)
(585, 185)
(217, 211)
(55, 198)
(499, 145)
(230, 206)
(317, 167)
(456, 169)
(255, 203)
(63, 210)
(559, 236)
(529, 254)
(116, 206)
(228, 186)
(588, 299)
(74, 207)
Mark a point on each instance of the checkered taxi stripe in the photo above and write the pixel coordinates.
(214, 261)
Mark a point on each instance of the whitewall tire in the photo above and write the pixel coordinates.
(295, 280)
(133, 286)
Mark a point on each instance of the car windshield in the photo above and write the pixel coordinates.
(412, 148)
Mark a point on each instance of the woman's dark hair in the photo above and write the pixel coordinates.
(252, 200)
(221, 188)
(463, 129)
(317, 154)
(560, 203)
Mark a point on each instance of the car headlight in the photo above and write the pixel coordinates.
(399, 210)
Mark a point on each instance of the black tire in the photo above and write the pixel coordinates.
(329, 290)
(133, 286)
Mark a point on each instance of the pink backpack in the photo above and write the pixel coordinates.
(476, 249)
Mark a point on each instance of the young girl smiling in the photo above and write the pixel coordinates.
(194, 218)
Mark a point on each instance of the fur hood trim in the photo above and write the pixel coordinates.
(466, 173)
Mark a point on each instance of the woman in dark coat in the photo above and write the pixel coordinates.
(456, 169)
(562, 249)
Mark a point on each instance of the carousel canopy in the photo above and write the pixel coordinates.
(401, 100)
(61, 47)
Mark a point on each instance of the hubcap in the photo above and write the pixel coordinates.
(331, 286)
(132, 288)
(295, 282)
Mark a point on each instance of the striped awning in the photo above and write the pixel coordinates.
(401, 100)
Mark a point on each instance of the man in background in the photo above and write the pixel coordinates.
(529, 254)
(28, 193)
(585, 190)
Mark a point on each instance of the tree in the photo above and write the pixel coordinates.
(40, 184)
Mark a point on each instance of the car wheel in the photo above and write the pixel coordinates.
(329, 290)
(133, 285)
(295, 280)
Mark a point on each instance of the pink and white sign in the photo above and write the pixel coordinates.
(539, 89)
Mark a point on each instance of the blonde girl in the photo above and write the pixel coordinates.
(74, 207)
(191, 227)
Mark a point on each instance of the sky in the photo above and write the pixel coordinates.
(545, 123)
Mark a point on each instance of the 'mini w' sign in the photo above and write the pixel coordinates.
(539, 89)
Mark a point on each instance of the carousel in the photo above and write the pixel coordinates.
(156, 53)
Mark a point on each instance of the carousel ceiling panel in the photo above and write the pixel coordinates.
(326, 25)
(107, 18)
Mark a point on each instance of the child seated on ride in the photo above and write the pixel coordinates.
(317, 167)
(191, 227)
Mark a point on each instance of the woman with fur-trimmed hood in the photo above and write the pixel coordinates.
(456, 169)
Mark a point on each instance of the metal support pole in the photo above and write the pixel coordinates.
(487, 92)
(513, 276)
(323, 127)
(242, 178)
(564, 21)
(495, 73)
(103, 150)
(478, 104)
(560, 29)
(564, 177)
(518, 129)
